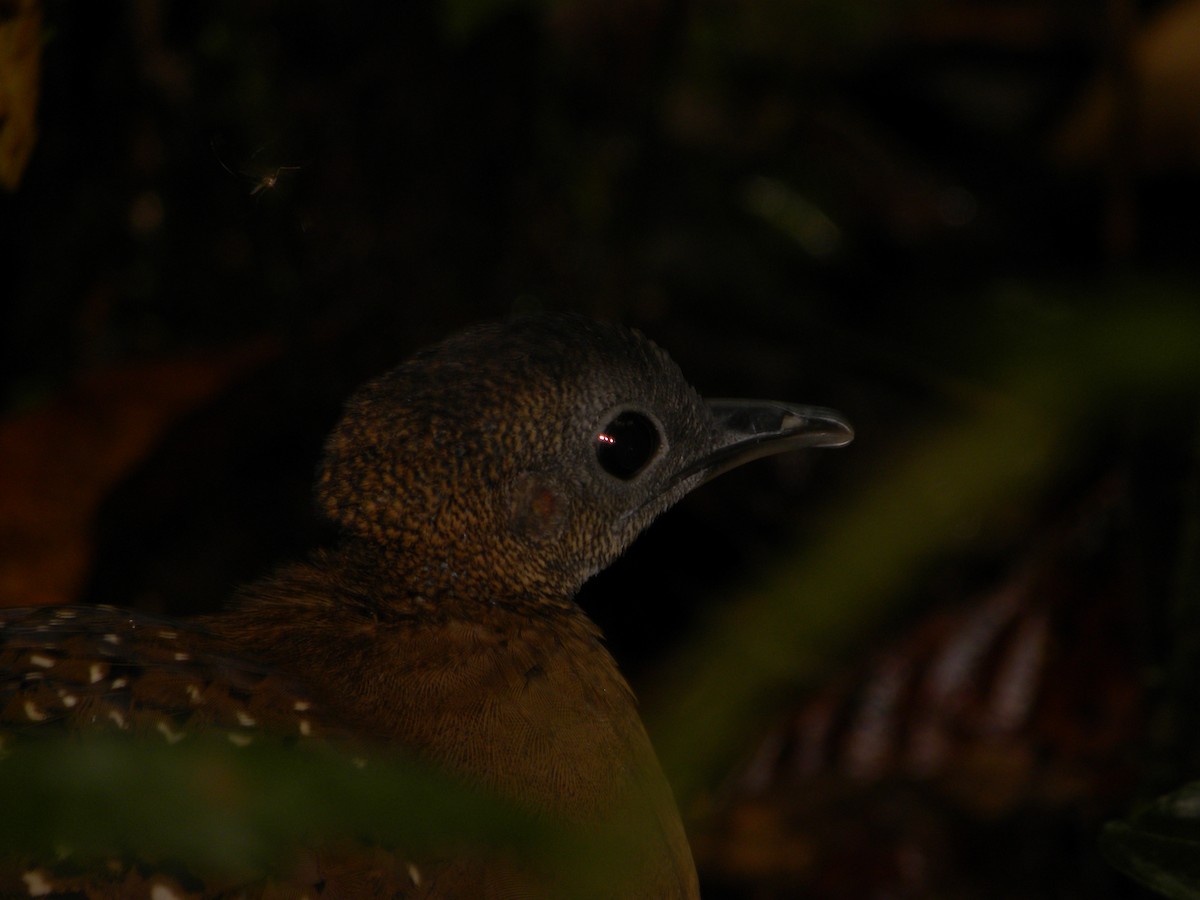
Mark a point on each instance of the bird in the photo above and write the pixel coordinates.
(473, 490)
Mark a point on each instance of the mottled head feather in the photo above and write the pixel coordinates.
(483, 446)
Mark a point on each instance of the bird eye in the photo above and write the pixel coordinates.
(627, 444)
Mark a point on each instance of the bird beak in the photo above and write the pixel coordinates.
(748, 429)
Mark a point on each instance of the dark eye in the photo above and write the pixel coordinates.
(626, 444)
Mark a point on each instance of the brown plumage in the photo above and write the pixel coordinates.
(476, 487)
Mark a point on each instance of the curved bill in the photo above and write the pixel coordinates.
(750, 429)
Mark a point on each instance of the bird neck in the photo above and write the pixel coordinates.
(360, 633)
(387, 581)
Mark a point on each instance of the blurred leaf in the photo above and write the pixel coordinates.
(20, 74)
(239, 812)
(61, 459)
(793, 214)
(463, 18)
(928, 497)
(1160, 845)
(1158, 99)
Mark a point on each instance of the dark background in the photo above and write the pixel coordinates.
(237, 211)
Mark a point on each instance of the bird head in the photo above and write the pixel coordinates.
(532, 452)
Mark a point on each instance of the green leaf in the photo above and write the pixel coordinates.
(240, 812)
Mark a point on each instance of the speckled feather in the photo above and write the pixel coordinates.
(88, 668)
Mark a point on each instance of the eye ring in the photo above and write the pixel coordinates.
(627, 444)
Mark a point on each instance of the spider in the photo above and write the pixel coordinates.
(263, 183)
